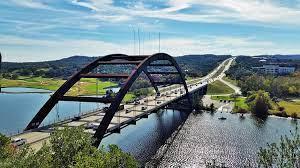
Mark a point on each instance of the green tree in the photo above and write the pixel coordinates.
(67, 143)
(68, 148)
(259, 103)
(292, 90)
(285, 154)
(5, 149)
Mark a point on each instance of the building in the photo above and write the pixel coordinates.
(275, 69)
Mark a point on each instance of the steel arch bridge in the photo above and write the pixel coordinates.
(142, 63)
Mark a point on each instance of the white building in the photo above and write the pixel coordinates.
(275, 69)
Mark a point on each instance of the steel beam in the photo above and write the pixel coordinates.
(95, 75)
(162, 65)
(87, 99)
(164, 73)
(118, 62)
(168, 82)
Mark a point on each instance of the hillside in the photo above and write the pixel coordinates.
(193, 65)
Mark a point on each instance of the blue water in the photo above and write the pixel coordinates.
(143, 139)
(17, 110)
(230, 141)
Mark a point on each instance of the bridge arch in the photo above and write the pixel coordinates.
(142, 63)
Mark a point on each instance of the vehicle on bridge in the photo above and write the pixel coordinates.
(17, 142)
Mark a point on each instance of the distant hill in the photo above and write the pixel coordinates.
(281, 57)
(196, 65)
(58, 68)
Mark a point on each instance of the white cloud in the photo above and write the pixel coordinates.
(30, 3)
(23, 49)
(264, 11)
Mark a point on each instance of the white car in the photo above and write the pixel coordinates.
(92, 125)
(19, 142)
(127, 111)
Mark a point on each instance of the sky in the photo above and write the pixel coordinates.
(39, 30)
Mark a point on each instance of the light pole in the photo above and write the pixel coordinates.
(158, 42)
(139, 41)
(0, 73)
(133, 31)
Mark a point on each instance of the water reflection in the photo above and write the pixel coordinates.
(232, 141)
(143, 139)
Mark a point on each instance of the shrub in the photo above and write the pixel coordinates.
(281, 114)
(294, 115)
(241, 110)
(280, 108)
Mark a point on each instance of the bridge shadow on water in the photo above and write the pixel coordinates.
(144, 139)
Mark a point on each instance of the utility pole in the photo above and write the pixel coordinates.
(158, 42)
(139, 41)
(0, 73)
(149, 43)
(133, 40)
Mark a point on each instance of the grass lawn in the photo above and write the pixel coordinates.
(239, 102)
(234, 82)
(85, 87)
(290, 107)
(34, 82)
(218, 87)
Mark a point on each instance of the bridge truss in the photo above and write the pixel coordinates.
(142, 64)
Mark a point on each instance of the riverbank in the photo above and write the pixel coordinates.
(291, 108)
(85, 87)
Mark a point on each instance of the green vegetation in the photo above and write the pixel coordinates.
(219, 87)
(70, 147)
(232, 81)
(33, 82)
(287, 108)
(259, 103)
(239, 102)
(193, 65)
(281, 86)
(85, 87)
(286, 153)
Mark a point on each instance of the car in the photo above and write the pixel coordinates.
(127, 111)
(92, 125)
(158, 102)
(136, 102)
(17, 142)
(76, 118)
(175, 92)
(144, 108)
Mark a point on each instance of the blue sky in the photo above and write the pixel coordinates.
(35, 30)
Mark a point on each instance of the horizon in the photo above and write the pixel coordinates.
(297, 55)
(36, 30)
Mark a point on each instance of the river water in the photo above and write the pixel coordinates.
(230, 141)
